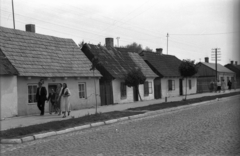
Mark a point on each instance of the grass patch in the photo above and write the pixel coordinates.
(165, 105)
(64, 124)
(73, 122)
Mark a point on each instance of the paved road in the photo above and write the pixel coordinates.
(209, 129)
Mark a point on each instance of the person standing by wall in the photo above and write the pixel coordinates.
(229, 84)
(223, 85)
(52, 101)
(65, 103)
(41, 97)
(58, 98)
(218, 86)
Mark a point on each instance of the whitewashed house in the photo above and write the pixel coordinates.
(27, 57)
(115, 65)
(169, 82)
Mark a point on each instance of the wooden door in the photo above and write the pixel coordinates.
(157, 88)
(181, 86)
(135, 94)
(106, 93)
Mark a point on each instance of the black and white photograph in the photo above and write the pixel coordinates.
(119, 78)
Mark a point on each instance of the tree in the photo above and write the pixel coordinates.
(187, 69)
(135, 47)
(148, 49)
(81, 44)
(134, 78)
(95, 64)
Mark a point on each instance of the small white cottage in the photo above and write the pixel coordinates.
(26, 57)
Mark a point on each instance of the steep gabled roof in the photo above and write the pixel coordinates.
(220, 68)
(43, 56)
(164, 65)
(6, 68)
(115, 63)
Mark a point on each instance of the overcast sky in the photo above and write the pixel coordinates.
(194, 27)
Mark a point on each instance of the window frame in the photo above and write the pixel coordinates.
(172, 82)
(150, 87)
(32, 94)
(146, 88)
(84, 91)
(123, 90)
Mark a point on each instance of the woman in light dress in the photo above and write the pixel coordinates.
(65, 103)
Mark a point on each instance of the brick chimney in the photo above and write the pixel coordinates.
(232, 62)
(109, 42)
(235, 62)
(30, 28)
(206, 59)
(159, 51)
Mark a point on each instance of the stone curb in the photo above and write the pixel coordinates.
(48, 134)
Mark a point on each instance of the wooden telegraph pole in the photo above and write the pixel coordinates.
(216, 55)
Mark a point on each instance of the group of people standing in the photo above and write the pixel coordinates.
(220, 86)
(58, 100)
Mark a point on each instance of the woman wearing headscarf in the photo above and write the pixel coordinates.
(52, 101)
(65, 104)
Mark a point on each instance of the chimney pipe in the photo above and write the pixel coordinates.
(109, 42)
(231, 62)
(30, 28)
(159, 51)
(235, 62)
(206, 59)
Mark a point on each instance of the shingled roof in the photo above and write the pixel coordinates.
(220, 68)
(116, 64)
(6, 68)
(39, 55)
(163, 65)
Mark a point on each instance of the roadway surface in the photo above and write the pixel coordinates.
(207, 129)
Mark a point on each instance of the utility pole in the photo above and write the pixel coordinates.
(216, 56)
(118, 40)
(13, 15)
(167, 43)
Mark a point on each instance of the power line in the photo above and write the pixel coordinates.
(206, 34)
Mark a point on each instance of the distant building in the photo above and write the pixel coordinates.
(207, 74)
(115, 64)
(236, 69)
(27, 57)
(169, 82)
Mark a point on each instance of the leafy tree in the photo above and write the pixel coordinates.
(187, 69)
(148, 49)
(134, 46)
(134, 78)
(81, 44)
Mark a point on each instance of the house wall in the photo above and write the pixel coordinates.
(8, 96)
(176, 91)
(117, 92)
(193, 90)
(26, 109)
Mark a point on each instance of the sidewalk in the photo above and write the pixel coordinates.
(36, 119)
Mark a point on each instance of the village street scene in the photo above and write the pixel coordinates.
(119, 78)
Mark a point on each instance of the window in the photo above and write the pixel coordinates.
(32, 90)
(146, 88)
(123, 89)
(82, 90)
(150, 87)
(171, 85)
(190, 84)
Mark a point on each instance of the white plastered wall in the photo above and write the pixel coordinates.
(8, 96)
(26, 109)
(116, 84)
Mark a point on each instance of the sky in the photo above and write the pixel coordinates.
(195, 28)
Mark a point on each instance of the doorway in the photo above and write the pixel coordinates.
(135, 94)
(181, 86)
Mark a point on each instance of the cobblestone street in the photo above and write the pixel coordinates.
(208, 129)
